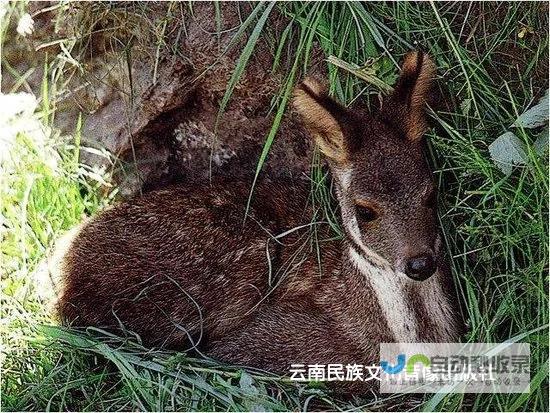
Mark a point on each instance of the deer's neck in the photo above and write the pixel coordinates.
(414, 311)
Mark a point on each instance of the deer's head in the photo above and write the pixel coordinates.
(384, 186)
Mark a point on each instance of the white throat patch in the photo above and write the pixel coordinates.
(389, 287)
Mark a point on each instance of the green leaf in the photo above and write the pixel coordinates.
(506, 151)
(246, 383)
(534, 117)
(541, 144)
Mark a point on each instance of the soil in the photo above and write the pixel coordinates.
(155, 107)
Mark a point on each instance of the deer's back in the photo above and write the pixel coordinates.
(179, 263)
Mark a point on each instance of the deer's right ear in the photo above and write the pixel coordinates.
(324, 118)
(412, 91)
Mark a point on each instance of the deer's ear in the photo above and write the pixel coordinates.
(324, 118)
(411, 93)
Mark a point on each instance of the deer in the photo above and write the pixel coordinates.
(178, 267)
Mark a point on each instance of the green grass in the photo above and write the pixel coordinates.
(495, 226)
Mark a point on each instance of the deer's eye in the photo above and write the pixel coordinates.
(365, 213)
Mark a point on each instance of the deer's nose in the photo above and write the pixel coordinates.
(420, 267)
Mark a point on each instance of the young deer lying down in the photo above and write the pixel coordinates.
(178, 267)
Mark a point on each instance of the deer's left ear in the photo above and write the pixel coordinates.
(408, 101)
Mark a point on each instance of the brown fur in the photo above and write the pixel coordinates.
(411, 94)
(178, 267)
(321, 123)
